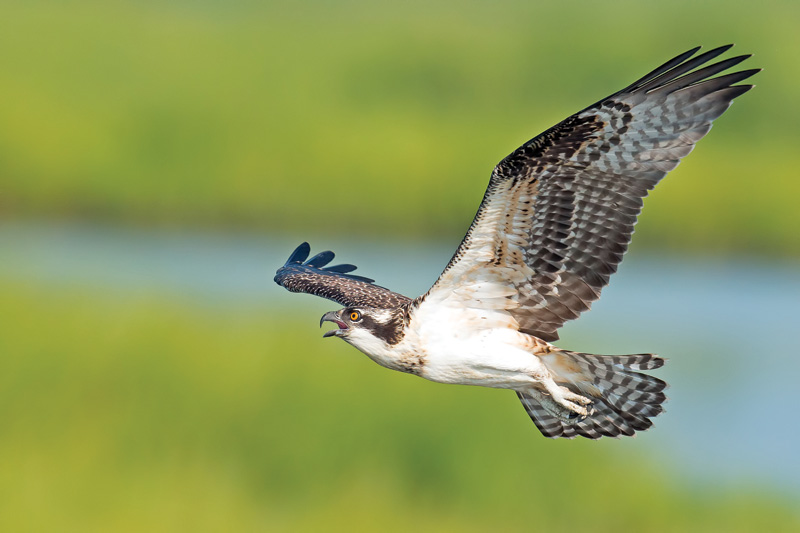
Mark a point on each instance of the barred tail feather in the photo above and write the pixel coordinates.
(623, 399)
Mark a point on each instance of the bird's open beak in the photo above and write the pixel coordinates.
(333, 316)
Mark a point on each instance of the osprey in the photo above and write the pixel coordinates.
(553, 226)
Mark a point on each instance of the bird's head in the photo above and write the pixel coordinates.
(366, 328)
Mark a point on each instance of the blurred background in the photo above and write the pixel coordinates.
(160, 160)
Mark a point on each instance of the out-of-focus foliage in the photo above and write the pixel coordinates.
(141, 414)
(370, 117)
(354, 118)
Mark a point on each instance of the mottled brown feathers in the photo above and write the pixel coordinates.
(559, 211)
(333, 282)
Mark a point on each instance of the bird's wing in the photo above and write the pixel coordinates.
(559, 212)
(333, 282)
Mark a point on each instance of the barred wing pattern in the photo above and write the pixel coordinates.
(333, 282)
(559, 212)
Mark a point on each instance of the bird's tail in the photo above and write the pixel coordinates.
(623, 399)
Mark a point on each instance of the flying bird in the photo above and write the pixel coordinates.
(553, 225)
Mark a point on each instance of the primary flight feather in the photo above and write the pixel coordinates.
(553, 225)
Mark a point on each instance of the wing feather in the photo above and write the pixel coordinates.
(559, 212)
(677, 67)
(312, 276)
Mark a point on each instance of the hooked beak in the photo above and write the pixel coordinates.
(333, 316)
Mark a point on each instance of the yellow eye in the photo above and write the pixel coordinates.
(355, 316)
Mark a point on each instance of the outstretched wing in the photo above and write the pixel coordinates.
(559, 212)
(333, 282)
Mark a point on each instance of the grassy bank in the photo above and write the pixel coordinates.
(365, 118)
(144, 413)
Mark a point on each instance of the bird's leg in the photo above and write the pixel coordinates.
(557, 399)
(564, 403)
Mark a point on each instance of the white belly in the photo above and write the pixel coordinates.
(473, 347)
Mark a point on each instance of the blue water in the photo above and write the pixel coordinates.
(727, 326)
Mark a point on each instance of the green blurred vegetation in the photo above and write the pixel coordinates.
(370, 118)
(123, 413)
(143, 413)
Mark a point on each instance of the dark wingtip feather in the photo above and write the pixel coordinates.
(659, 72)
(672, 72)
(353, 276)
(722, 49)
(344, 268)
(333, 282)
(300, 254)
(297, 261)
(321, 259)
(744, 74)
(737, 90)
(679, 80)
